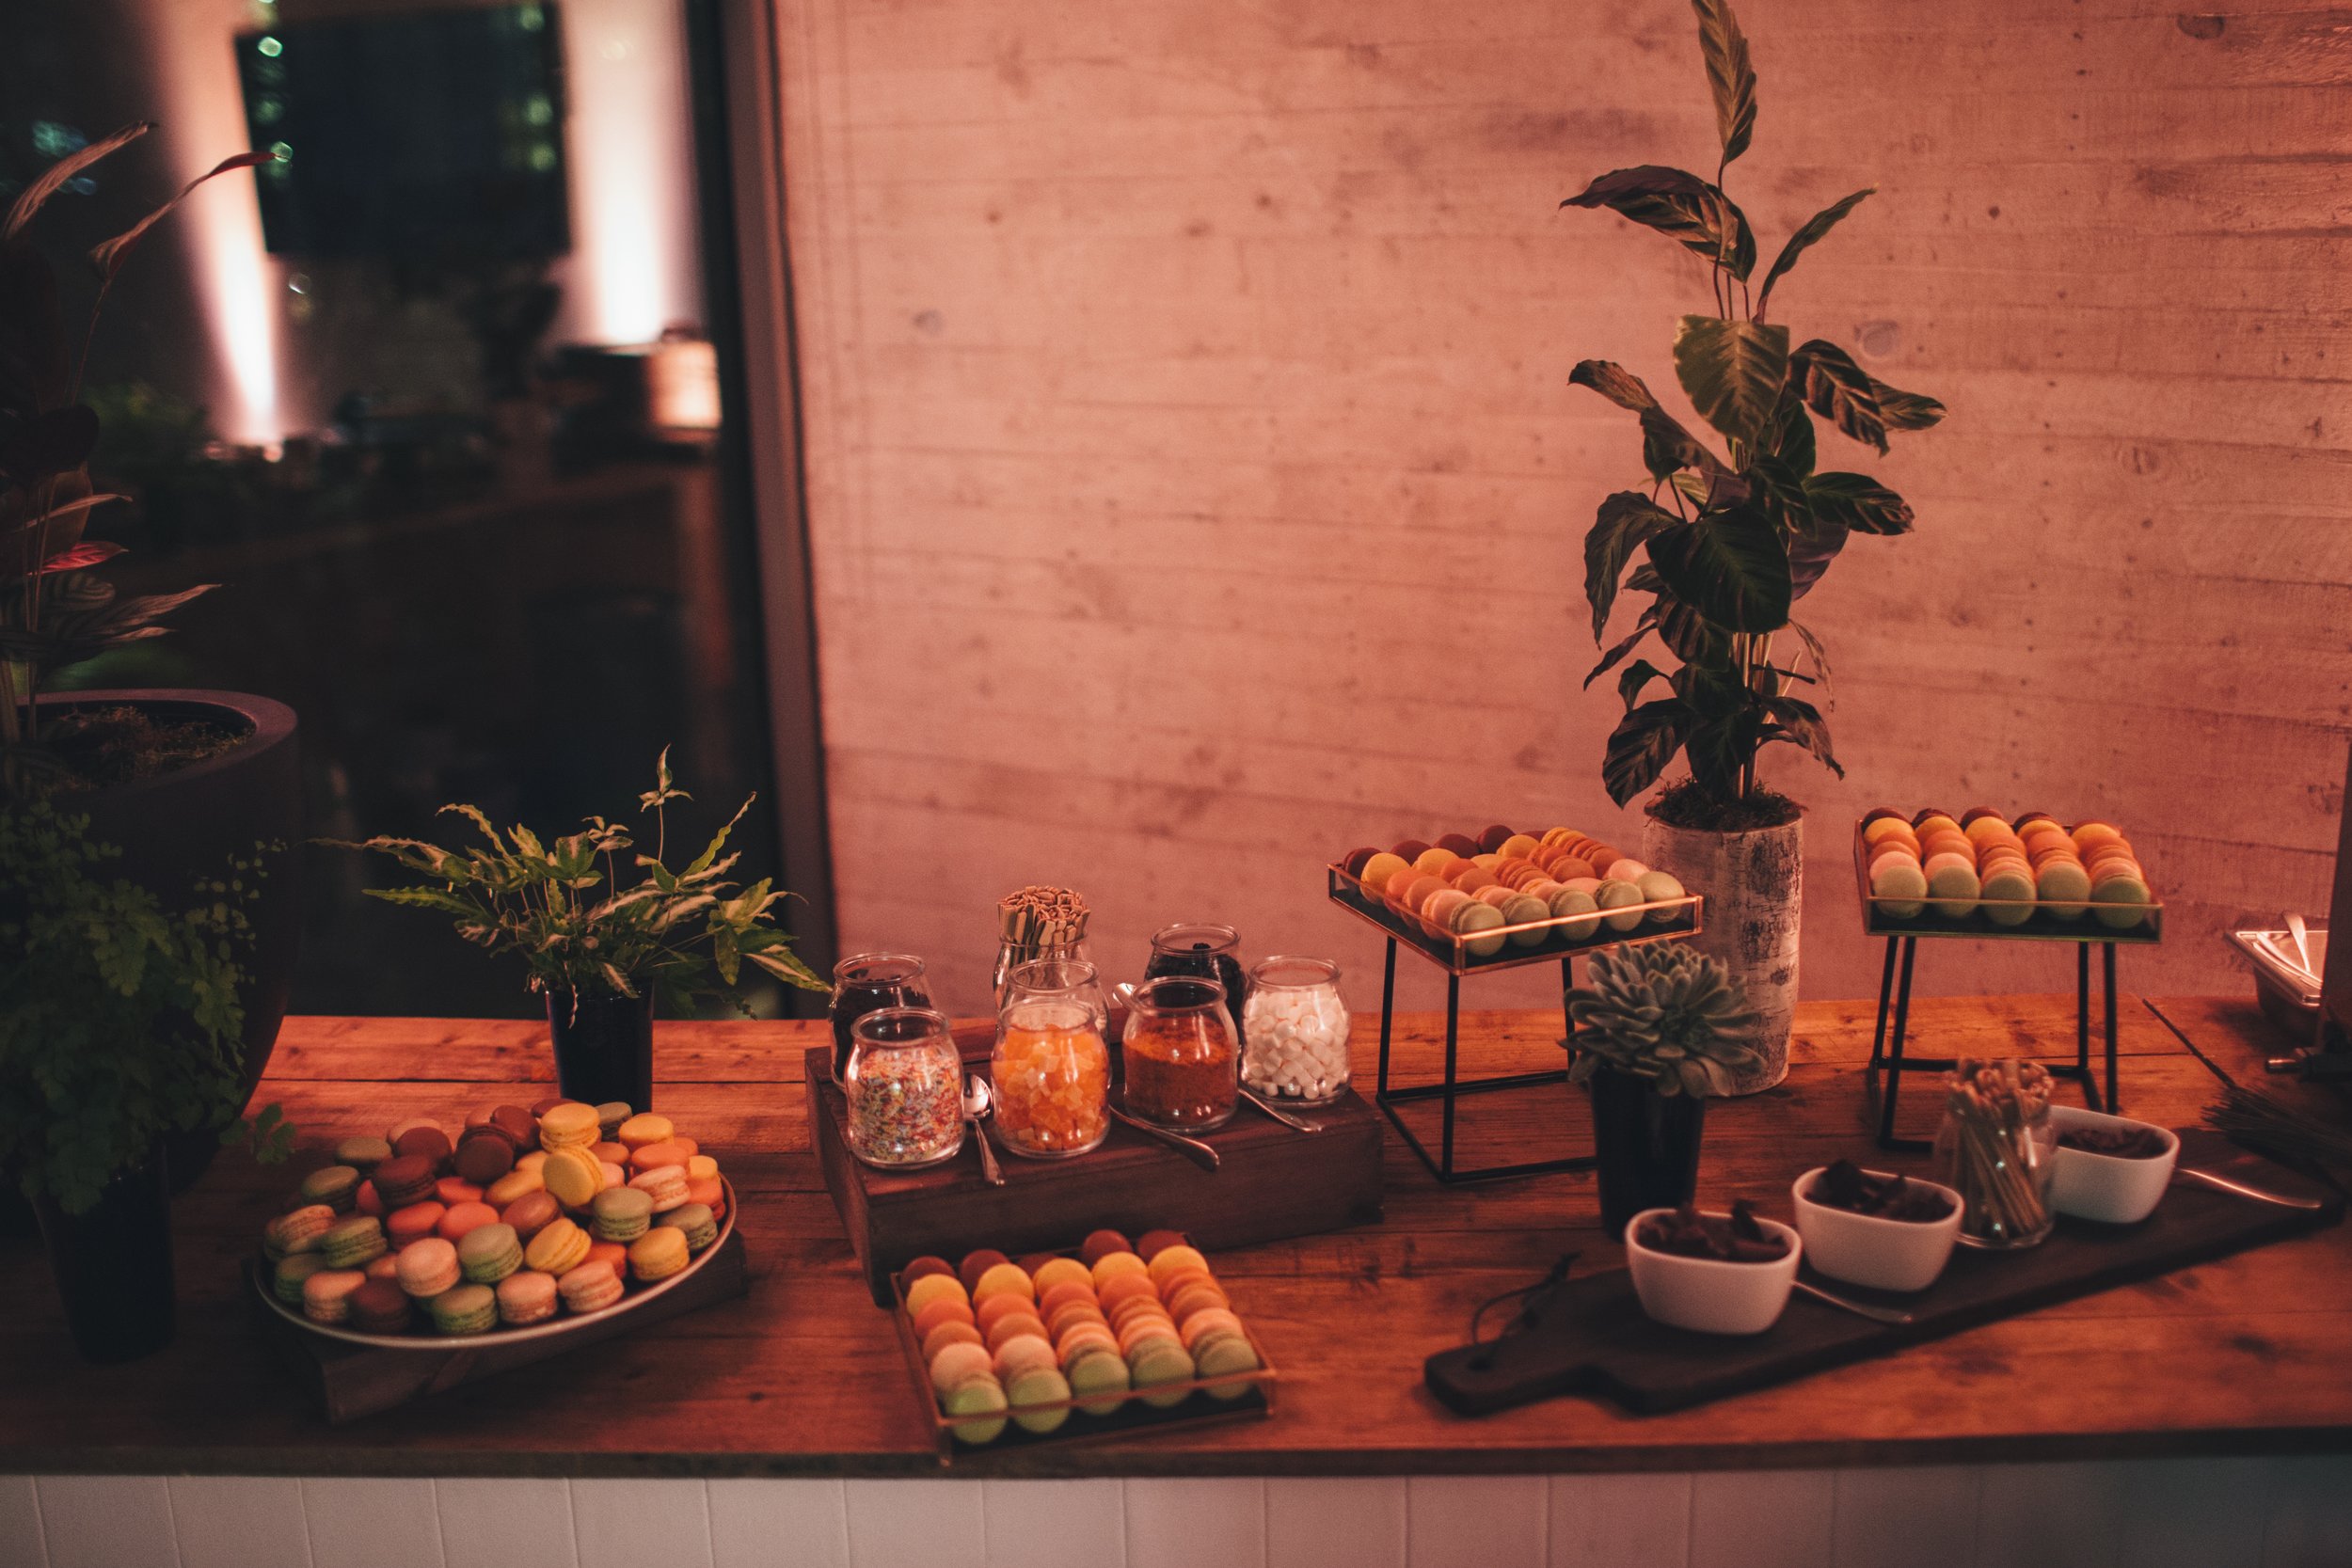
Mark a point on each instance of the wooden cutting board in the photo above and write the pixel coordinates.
(1272, 1181)
(1591, 1335)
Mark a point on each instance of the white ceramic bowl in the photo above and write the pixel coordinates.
(2107, 1186)
(1866, 1250)
(1708, 1294)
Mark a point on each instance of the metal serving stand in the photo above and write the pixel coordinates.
(1548, 941)
(1972, 922)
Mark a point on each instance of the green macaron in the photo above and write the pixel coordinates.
(489, 1253)
(362, 1154)
(287, 1277)
(1099, 1373)
(1038, 1386)
(1220, 1359)
(351, 1241)
(696, 1220)
(337, 1186)
(981, 1397)
(1156, 1364)
(622, 1214)
(466, 1310)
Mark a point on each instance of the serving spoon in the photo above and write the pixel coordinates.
(978, 1103)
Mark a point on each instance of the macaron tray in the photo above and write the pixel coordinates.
(532, 1224)
(1108, 1339)
(1503, 898)
(1982, 874)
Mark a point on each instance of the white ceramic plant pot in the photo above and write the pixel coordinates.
(1754, 883)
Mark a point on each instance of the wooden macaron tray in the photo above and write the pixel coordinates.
(1191, 1402)
(1529, 942)
(1591, 1337)
(1982, 918)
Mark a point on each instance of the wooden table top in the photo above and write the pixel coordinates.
(2248, 1354)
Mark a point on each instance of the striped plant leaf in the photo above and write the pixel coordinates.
(1907, 411)
(1728, 75)
(1804, 239)
(1839, 390)
(1682, 207)
(1613, 382)
(1732, 372)
(1859, 502)
(1625, 520)
(1730, 565)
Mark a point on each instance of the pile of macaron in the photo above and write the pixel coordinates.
(1520, 888)
(2008, 871)
(1034, 1341)
(563, 1207)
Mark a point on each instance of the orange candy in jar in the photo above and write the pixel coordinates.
(1052, 1078)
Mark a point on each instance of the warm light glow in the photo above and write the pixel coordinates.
(632, 271)
(202, 113)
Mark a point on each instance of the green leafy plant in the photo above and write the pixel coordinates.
(1665, 1012)
(563, 910)
(121, 1021)
(1730, 541)
(55, 608)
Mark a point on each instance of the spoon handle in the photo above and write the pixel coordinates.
(989, 1167)
(1861, 1309)
(1193, 1148)
(1278, 1113)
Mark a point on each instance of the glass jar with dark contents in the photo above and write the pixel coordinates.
(1183, 1056)
(1211, 952)
(868, 983)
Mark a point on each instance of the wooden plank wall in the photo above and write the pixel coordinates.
(1195, 489)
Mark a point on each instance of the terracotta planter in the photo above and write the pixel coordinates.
(1754, 883)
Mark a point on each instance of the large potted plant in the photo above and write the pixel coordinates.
(1727, 544)
(179, 780)
(1659, 1029)
(600, 950)
(121, 1026)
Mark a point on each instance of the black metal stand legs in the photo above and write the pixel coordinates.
(1451, 1088)
(1887, 1048)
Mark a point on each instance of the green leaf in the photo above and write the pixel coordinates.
(1838, 389)
(1641, 746)
(1814, 650)
(1720, 749)
(109, 255)
(1679, 205)
(1626, 518)
(1811, 549)
(1732, 372)
(1609, 661)
(474, 815)
(1790, 438)
(1804, 239)
(1798, 722)
(1687, 632)
(1906, 410)
(1778, 493)
(1637, 675)
(1613, 382)
(1667, 448)
(1730, 565)
(53, 179)
(1728, 75)
(1859, 502)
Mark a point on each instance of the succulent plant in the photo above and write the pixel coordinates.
(1666, 1012)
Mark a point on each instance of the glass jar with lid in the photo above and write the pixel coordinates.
(1295, 1031)
(1196, 948)
(1182, 1054)
(1052, 1077)
(1063, 979)
(867, 983)
(904, 1085)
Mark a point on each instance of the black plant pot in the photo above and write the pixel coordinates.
(113, 1265)
(1647, 1144)
(603, 1048)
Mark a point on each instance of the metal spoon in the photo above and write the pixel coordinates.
(979, 1101)
(1192, 1148)
(2191, 1173)
(1283, 1117)
(1860, 1308)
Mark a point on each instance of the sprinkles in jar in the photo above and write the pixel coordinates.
(904, 1083)
(1295, 1031)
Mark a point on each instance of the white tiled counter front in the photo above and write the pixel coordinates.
(2145, 1514)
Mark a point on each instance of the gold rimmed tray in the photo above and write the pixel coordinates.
(1975, 920)
(1547, 940)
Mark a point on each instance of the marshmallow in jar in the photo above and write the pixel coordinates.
(1295, 1031)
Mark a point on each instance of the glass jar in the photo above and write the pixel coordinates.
(1996, 1148)
(1211, 952)
(1059, 980)
(868, 983)
(1183, 1056)
(1052, 1076)
(1295, 1031)
(904, 1083)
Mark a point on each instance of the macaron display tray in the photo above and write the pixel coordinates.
(1133, 1416)
(1972, 919)
(1590, 1336)
(1531, 942)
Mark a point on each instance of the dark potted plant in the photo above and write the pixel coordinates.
(178, 781)
(604, 954)
(1728, 543)
(1659, 1028)
(121, 1024)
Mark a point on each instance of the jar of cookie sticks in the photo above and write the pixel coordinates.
(1996, 1148)
(1037, 923)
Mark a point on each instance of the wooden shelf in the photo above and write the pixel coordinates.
(2247, 1354)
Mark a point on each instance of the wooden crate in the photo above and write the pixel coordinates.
(1272, 1182)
